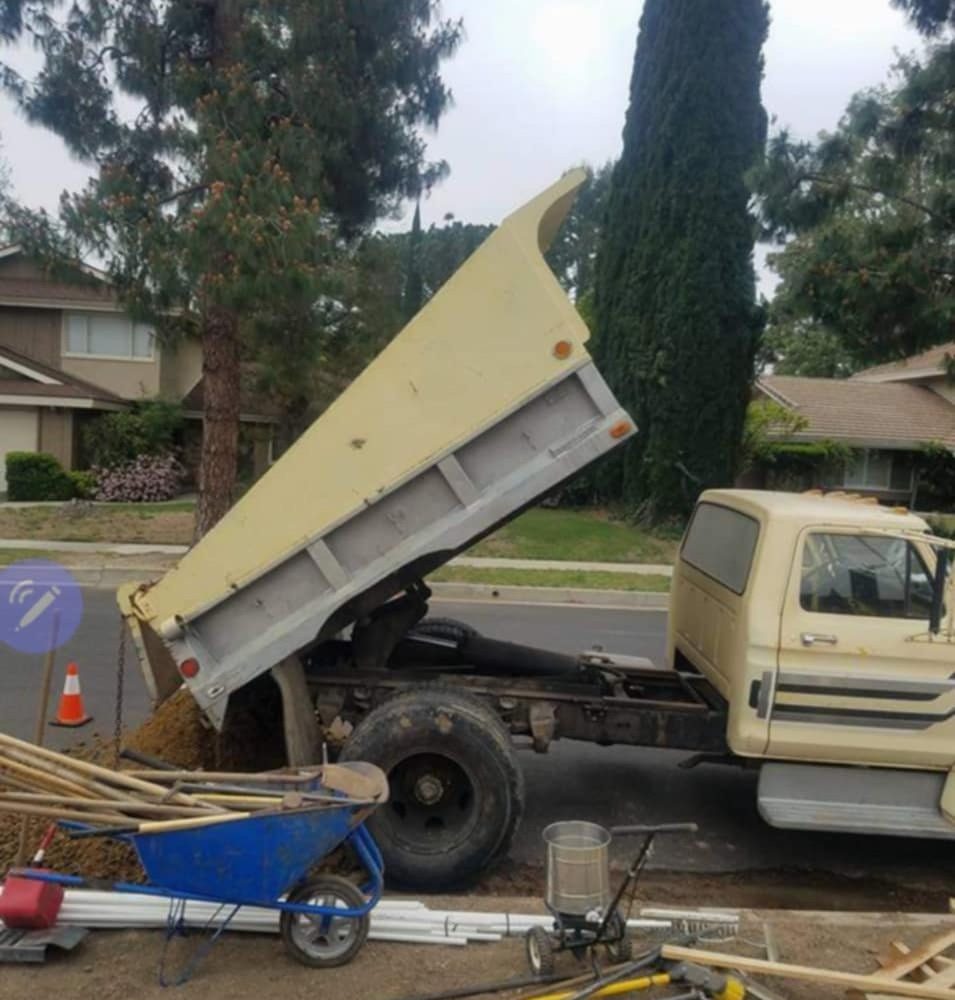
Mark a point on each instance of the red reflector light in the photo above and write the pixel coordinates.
(189, 668)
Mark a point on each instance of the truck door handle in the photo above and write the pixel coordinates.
(815, 638)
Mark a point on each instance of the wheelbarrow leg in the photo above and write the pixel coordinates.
(298, 713)
(175, 926)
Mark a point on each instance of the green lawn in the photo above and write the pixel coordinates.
(577, 535)
(553, 578)
(121, 522)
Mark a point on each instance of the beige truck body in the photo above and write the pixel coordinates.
(810, 615)
(485, 401)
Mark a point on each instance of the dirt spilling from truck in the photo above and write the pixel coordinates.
(177, 734)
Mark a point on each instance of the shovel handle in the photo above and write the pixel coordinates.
(644, 831)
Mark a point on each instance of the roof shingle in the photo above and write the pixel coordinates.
(70, 386)
(928, 362)
(858, 411)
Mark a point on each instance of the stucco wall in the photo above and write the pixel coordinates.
(129, 379)
(180, 367)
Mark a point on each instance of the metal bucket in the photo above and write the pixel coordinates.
(578, 867)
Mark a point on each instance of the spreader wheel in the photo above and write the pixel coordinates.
(324, 941)
(540, 952)
(620, 950)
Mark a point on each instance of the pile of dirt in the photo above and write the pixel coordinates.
(178, 734)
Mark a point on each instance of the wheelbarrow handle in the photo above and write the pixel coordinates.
(624, 831)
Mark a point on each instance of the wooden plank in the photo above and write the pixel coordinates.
(898, 948)
(945, 977)
(918, 956)
(851, 980)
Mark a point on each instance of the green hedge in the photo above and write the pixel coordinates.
(37, 476)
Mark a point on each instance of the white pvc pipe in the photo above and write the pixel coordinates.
(390, 920)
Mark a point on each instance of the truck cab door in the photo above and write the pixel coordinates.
(860, 679)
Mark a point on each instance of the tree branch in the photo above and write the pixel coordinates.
(870, 189)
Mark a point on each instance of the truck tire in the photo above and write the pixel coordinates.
(457, 789)
(445, 628)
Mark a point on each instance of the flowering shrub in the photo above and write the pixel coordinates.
(147, 478)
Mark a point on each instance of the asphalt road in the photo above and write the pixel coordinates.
(608, 785)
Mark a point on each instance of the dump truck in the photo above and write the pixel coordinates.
(485, 403)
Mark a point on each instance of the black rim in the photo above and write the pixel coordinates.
(433, 802)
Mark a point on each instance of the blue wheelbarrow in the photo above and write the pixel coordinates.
(263, 859)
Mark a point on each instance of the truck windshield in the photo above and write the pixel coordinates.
(872, 575)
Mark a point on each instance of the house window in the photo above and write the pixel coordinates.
(878, 469)
(108, 335)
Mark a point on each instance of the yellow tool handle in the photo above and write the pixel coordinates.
(615, 989)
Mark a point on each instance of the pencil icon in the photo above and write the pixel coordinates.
(34, 612)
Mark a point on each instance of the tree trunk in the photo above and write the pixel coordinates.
(220, 352)
(220, 416)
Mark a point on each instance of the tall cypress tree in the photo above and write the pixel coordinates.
(676, 320)
(412, 295)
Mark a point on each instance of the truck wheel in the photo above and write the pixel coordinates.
(456, 788)
(445, 628)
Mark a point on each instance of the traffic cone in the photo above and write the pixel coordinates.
(71, 711)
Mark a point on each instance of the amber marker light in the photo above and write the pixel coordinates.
(563, 350)
(621, 430)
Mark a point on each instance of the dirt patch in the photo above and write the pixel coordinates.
(77, 523)
(784, 889)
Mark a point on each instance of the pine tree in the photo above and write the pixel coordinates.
(676, 321)
(252, 124)
(931, 17)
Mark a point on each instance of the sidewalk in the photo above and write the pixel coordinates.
(480, 562)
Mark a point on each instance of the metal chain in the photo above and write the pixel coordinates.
(120, 680)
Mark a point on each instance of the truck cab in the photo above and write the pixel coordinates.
(812, 616)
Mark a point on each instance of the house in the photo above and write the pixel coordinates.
(885, 415)
(69, 352)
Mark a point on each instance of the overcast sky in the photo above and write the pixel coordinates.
(542, 85)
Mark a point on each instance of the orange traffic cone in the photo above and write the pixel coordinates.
(71, 711)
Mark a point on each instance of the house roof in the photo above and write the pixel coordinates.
(33, 379)
(925, 365)
(868, 414)
(254, 405)
(91, 290)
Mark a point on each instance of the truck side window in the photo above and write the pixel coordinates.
(720, 542)
(868, 575)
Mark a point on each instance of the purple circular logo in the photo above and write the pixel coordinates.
(41, 605)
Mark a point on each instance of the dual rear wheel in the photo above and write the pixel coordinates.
(457, 789)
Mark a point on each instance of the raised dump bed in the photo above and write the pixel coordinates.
(486, 401)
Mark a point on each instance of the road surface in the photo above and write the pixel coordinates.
(608, 785)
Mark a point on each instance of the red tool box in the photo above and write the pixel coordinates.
(29, 904)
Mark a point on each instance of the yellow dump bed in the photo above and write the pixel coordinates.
(484, 402)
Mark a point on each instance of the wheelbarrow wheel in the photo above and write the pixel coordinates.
(319, 941)
(621, 949)
(540, 952)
